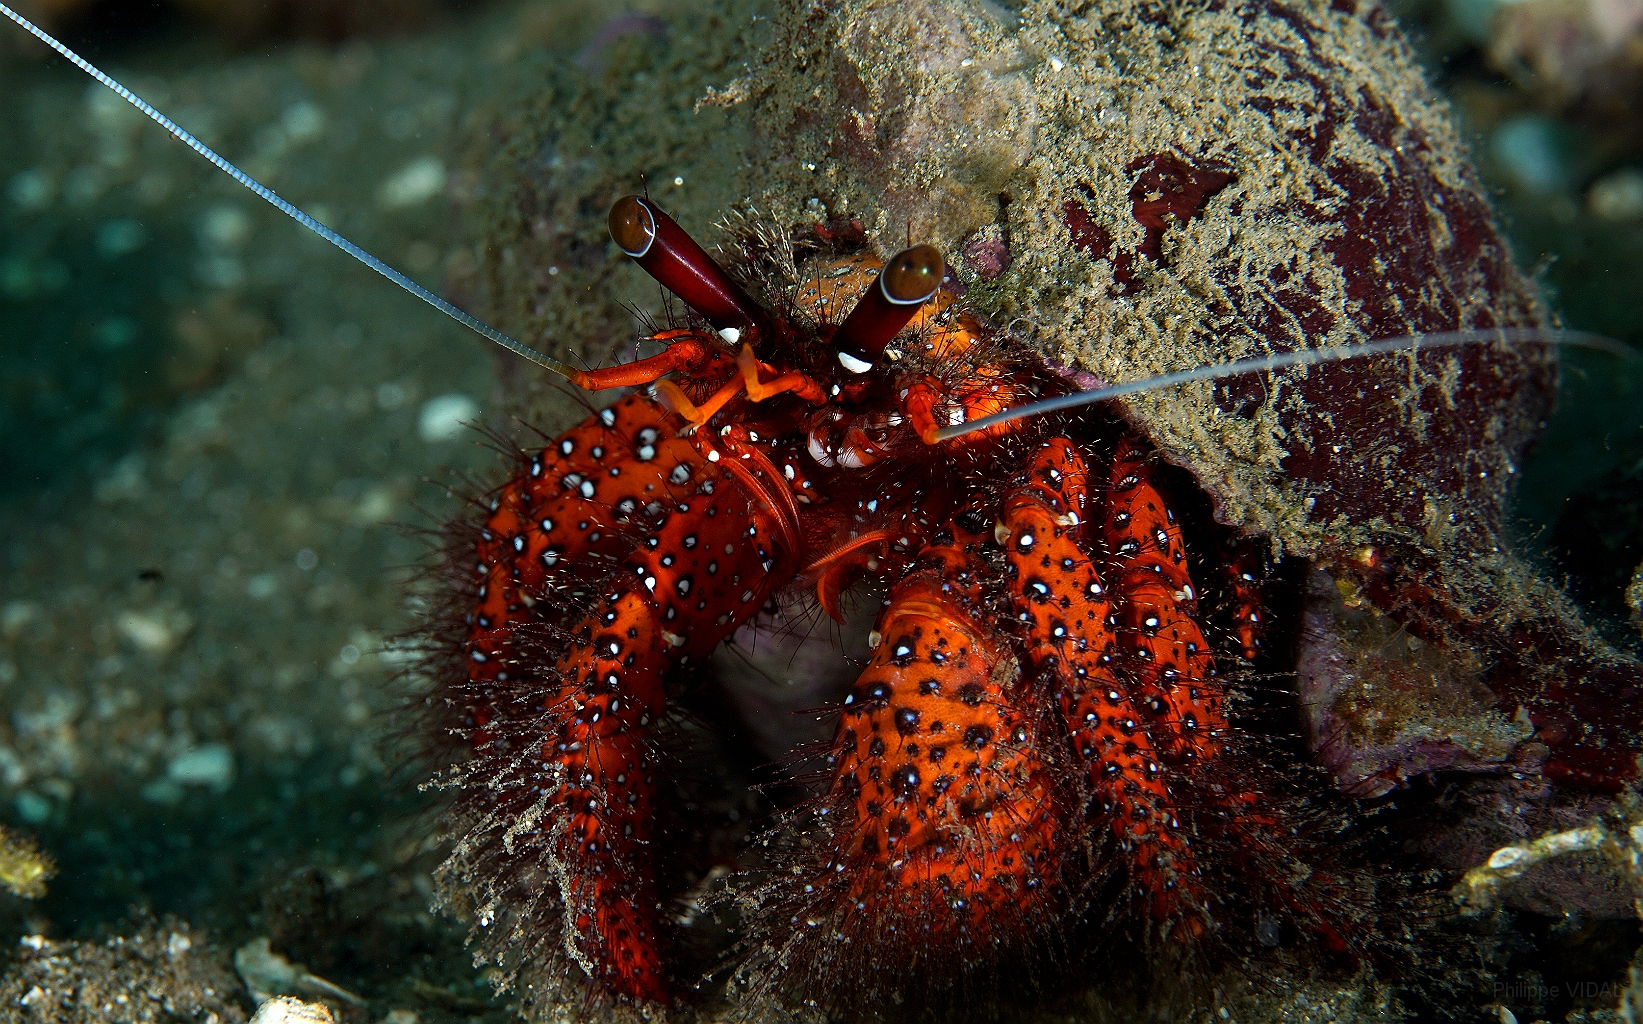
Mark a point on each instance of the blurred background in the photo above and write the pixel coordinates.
(1551, 93)
(218, 440)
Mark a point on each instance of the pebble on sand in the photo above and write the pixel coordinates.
(443, 418)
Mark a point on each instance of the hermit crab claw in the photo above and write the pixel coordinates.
(906, 283)
(659, 245)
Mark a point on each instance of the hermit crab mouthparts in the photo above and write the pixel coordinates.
(667, 253)
(906, 283)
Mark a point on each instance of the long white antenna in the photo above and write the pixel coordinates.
(1303, 357)
(472, 323)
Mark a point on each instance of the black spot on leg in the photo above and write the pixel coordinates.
(903, 651)
(907, 721)
(904, 781)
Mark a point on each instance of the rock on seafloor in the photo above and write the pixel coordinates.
(1385, 706)
(1574, 51)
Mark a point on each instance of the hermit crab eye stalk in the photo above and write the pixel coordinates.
(671, 256)
(907, 282)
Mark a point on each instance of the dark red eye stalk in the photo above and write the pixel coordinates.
(906, 283)
(657, 243)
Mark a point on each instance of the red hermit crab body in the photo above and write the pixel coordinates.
(1040, 705)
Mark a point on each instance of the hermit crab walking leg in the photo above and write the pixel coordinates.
(668, 551)
(1122, 735)
(1175, 674)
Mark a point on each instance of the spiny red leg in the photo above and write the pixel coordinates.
(945, 812)
(679, 594)
(1060, 599)
(610, 690)
(1174, 673)
(560, 526)
(679, 554)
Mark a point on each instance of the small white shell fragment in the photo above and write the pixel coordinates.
(153, 632)
(270, 977)
(303, 122)
(211, 766)
(225, 227)
(284, 1010)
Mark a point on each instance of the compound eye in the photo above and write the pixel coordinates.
(912, 275)
(632, 227)
(907, 282)
(667, 253)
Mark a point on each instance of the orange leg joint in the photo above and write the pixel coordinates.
(673, 398)
(687, 352)
(989, 394)
(792, 380)
(747, 381)
(831, 569)
(919, 406)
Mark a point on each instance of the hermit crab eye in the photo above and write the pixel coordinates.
(671, 256)
(913, 275)
(632, 227)
(907, 282)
